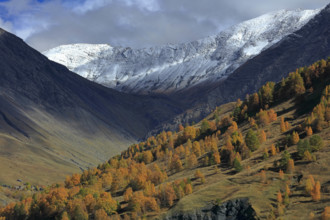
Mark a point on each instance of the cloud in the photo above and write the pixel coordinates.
(134, 23)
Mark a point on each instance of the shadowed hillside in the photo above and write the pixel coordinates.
(54, 121)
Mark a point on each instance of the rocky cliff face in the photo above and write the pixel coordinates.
(172, 68)
(237, 209)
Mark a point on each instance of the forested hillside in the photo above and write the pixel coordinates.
(272, 148)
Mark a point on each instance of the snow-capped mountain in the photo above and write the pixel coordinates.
(171, 68)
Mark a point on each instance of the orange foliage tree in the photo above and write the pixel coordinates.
(191, 161)
(196, 148)
(309, 131)
(128, 194)
(273, 150)
(262, 136)
(279, 197)
(199, 175)
(310, 182)
(294, 138)
(147, 157)
(326, 213)
(189, 133)
(216, 157)
(316, 192)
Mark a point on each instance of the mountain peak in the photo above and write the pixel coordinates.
(171, 68)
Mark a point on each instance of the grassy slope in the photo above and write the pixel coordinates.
(57, 149)
(225, 185)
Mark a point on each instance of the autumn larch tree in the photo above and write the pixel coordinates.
(176, 163)
(216, 157)
(147, 157)
(262, 136)
(273, 150)
(199, 175)
(316, 192)
(309, 131)
(287, 189)
(297, 85)
(294, 138)
(169, 195)
(188, 189)
(196, 148)
(189, 133)
(128, 194)
(279, 197)
(310, 182)
(191, 161)
(326, 213)
(272, 115)
(100, 214)
(282, 125)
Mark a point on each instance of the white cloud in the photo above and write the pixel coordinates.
(6, 25)
(90, 5)
(150, 5)
(16, 6)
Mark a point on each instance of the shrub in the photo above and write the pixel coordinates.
(285, 158)
(302, 147)
(251, 140)
(237, 165)
(316, 142)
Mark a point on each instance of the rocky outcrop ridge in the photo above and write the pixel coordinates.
(237, 209)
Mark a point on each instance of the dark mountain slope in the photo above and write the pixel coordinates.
(71, 120)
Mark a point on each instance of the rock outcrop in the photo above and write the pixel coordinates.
(237, 209)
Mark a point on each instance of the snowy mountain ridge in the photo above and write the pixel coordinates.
(170, 68)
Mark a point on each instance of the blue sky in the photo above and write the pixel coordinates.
(136, 23)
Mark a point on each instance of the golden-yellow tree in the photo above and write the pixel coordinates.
(196, 148)
(294, 138)
(191, 161)
(262, 136)
(310, 182)
(199, 175)
(279, 197)
(326, 213)
(128, 194)
(316, 192)
(273, 150)
(309, 131)
(216, 157)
